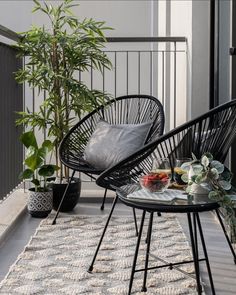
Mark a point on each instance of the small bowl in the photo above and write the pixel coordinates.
(155, 182)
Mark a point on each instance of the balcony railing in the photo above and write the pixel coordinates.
(11, 100)
(148, 65)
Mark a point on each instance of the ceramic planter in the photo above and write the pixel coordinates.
(71, 198)
(39, 203)
(198, 191)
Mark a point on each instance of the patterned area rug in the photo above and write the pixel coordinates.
(56, 259)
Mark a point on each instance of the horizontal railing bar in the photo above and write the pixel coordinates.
(14, 36)
(143, 51)
(146, 39)
(5, 32)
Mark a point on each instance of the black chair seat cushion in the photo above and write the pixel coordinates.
(111, 143)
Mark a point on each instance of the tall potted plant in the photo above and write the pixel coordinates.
(56, 57)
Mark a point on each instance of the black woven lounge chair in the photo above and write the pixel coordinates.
(130, 109)
(212, 132)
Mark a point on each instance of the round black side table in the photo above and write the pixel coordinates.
(189, 207)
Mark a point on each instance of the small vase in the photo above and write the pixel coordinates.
(199, 191)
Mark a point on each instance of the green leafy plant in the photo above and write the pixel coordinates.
(216, 178)
(56, 57)
(37, 171)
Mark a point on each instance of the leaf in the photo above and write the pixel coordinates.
(186, 166)
(213, 195)
(30, 152)
(214, 173)
(194, 157)
(209, 156)
(35, 182)
(226, 175)
(188, 189)
(34, 161)
(193, 178)
(48, 145)
(218, 166)
(26, 174)
(184, 177)
(199, 178)
(225, 185)
(197, 168)
(205, 161)
(28, 139)
(46, 170)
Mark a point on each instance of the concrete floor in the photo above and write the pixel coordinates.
(223, 267)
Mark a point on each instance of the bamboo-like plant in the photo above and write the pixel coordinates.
(57, 55)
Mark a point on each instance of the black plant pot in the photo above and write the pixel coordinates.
(71, 198)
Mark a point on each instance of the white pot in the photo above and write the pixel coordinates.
(39, 203)
(197, 189)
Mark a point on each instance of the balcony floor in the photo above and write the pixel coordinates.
(223, 267)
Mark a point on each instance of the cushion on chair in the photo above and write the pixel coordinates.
(110, 144)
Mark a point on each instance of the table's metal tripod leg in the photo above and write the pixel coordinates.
(144, 288)
(196, 262)
(135, 222)
(205, 253)
(196, 240)
(226, 235)
(103, 233)
(136, 252)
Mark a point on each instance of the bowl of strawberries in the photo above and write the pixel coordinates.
(155, 182)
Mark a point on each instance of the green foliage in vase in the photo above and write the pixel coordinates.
(37, 171)
(214, 176)
(56, 57)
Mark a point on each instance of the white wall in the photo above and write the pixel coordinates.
(224, 57)
(16, 15)
(167, 23)
(200, 57)
(146, 18)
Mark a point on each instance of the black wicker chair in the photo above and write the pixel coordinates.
(212, 132)
(130, 109)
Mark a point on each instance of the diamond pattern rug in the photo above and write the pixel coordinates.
(56, 260)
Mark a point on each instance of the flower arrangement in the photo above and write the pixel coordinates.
(215, 178)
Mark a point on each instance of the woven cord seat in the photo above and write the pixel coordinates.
(130, 109)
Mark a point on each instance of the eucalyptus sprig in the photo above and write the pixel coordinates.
(216, 178)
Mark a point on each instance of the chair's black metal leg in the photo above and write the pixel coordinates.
(136, 252)
(226, 235)
(195, 235)
(144, 288)
(63, 197)
(135, 222)
(196, 262)
(103, 233)
(205, 253)
(104, 199)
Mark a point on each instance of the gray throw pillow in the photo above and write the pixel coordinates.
(110, 144)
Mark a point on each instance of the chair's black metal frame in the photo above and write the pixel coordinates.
(212, 132)
(129, 109)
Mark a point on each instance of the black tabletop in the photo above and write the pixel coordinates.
(182, 205)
